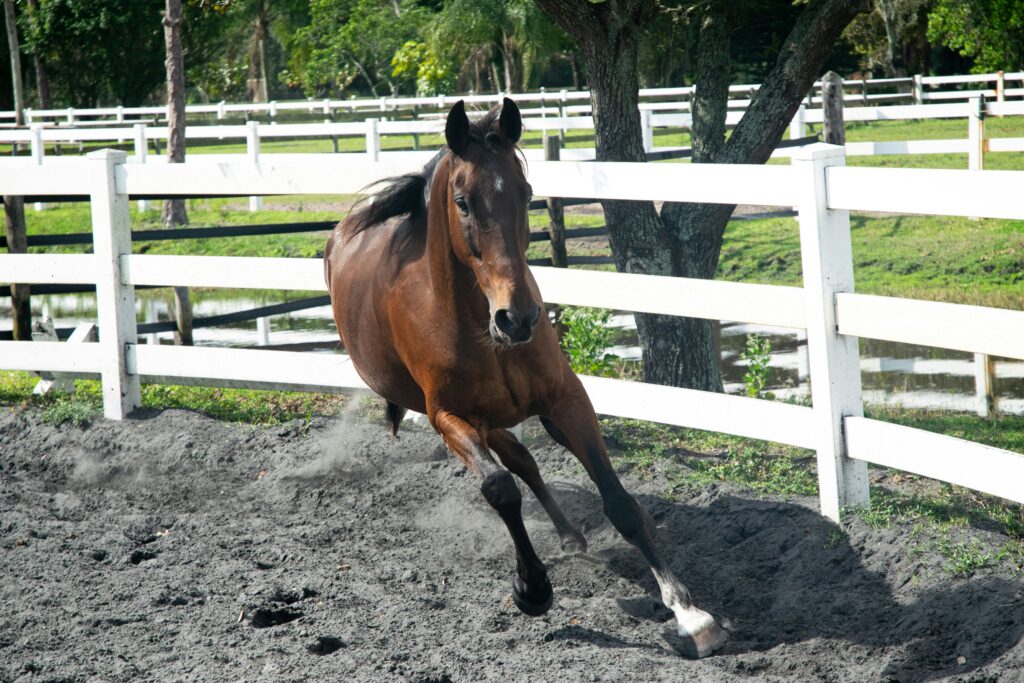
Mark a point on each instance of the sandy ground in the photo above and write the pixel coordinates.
(175, 547)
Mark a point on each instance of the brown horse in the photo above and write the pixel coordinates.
(440, 314)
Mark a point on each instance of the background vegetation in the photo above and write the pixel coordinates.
(108, 52)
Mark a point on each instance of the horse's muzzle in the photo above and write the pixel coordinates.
(509, 326)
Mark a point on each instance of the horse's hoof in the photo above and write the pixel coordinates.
(532, 602)
(706, 639)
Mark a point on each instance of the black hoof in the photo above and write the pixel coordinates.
(574, 543)
(535, 601)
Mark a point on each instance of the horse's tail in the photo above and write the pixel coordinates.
(400, 195)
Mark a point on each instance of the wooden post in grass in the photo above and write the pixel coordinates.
(832, 108)
(984, 381)
(556, 212)
(141, 152)
(976, 134)
(252, 145)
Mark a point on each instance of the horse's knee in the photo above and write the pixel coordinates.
(500, 490)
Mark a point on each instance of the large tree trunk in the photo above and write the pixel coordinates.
(17, 243)
(174, 209)
(174, 214)
(12, 41)
(686, 239)
(42, 79)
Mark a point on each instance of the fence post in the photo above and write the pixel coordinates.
(263, 331)
(115, 300)
(372, 140)
(38, 150)
(834, 359)
(120, 113)
(832, 108)
(1000, 86)
(647, 130)
(141, 152)
(220, 110)
(798, 126)
(976, 134)
(918, 89)
(984, 382)
(556, 212)
(252, 145)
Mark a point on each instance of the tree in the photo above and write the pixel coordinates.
(42, 76)
(686, 239)
(892, 38)
(97, 51)
(174, 213)
(351, 42)
(14, 206)
(470, 32)
(991, 32)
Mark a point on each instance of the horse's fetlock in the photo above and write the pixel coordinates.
(500, 490)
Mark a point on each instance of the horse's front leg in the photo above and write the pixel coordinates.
(531, 589)
(573, 424)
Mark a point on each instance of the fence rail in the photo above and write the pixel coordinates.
(916, 89)
(826, 306)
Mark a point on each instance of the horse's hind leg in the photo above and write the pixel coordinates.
(573, 424)
(515, 456)
(531, 589)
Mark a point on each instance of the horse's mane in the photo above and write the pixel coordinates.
(408, 194)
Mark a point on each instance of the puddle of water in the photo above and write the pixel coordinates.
(897, 374)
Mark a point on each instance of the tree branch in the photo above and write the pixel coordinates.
(805, 50)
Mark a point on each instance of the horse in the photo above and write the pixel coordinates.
(440, 314)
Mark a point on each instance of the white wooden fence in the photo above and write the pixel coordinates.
(915, 90)
(827, 307)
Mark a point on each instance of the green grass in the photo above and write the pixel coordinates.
(925, 257)
(261, 408)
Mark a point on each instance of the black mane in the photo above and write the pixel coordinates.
(408, 194)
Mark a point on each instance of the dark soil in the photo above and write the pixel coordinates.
(175, 547)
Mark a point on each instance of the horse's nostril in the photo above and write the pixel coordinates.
(506, 321)
(515, 326)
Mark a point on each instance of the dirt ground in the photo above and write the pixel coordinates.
(175, 547)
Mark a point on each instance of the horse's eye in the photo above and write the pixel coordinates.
(462, 205)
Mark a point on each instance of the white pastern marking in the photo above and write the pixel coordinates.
(692, 620)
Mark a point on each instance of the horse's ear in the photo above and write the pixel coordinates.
(456, 130)
(510, 123)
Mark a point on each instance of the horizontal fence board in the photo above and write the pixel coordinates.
(995, 331)
(907, 147)
(278, 369)
(47, 268)
(710, 183)
(1005, 144)
(318, 174)
(750, 417)
(713, 299)
(52, 355)
(21, 176)
(241, 272)
(956, 461)
(987, 194)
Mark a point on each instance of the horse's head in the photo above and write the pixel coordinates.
(488, 198)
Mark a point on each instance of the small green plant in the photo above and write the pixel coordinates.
(836, 537)
(70, 408)
(757, 354)
(964, 559)
(586, 340)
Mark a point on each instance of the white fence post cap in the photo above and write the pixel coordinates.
(819, 150)
(115, 155)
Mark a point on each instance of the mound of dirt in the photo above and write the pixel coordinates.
(175, 547)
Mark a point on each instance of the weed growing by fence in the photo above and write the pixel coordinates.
(757, 355)
(586, 340)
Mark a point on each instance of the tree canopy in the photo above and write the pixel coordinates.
(100, 52)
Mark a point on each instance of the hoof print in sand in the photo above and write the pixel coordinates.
(140, 556)
(266, 617)
(326, 645)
